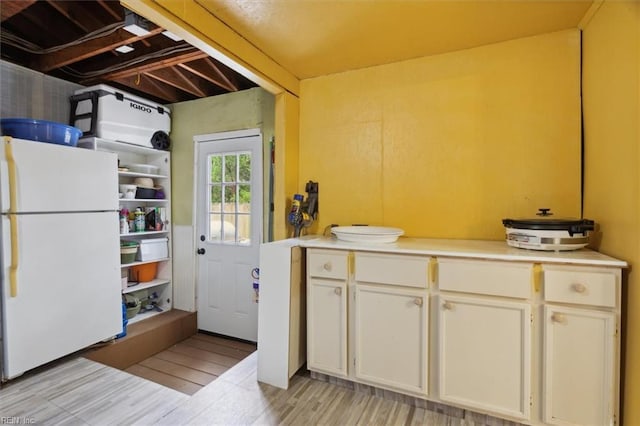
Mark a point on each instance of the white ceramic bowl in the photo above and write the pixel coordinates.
(369, 234)
(128, 191)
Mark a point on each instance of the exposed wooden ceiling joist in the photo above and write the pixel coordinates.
(207, 69)
(142, 83)
(85, 23)
(88, 49)
(10, 8)
(76, 40)
(106, 5)
(156, 65)
(175, 77)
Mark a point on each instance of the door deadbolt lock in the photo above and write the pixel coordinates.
(202, 238)
(201, 251)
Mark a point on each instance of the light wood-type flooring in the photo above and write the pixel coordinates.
(193, 363)
(78, 391)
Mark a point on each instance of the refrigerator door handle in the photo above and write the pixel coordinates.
(13, 218)
(13, 270)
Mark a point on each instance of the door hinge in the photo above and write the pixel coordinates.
(531, 400)
(531, 319)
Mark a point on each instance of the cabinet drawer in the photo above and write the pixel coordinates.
(585, 286)
(405, 270)
(507, 279)
(327, 264)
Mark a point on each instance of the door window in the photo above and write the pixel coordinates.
(230, 198)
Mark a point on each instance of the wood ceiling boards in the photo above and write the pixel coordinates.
(76, 41)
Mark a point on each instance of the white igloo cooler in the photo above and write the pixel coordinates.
(106, 112)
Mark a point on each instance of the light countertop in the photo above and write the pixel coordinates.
(478, 249)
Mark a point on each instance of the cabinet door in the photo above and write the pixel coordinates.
(485, 354)
(579, 347)
(327, 326)
(391, 337)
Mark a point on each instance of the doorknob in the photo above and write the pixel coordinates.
(201, 251)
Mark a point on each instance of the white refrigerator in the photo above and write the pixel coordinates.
(60, 261)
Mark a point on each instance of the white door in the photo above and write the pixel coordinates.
(391, 349)
(54, 178)
(327, 326)
(579, 382)
(67, 286)
(485, 347)
(228, 231)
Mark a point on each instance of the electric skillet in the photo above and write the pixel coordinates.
(545, 232)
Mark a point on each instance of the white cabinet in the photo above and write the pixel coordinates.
(484, 353)
(528, 340)
(391, 328)
(484, 343)
(327, 312)
(578, 366)
(580, 345)
(391, 331)
(157, 293)
(282, 314)
(370, 326)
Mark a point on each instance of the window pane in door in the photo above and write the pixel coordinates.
(244, 229)
(215, 168)
(215, 205)
(229, 229)
(230, 168)
(215, 227)
(244, 197)
(230, 198)
(245, 167)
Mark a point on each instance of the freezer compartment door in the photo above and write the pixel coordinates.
(56, 178)
(68, 287)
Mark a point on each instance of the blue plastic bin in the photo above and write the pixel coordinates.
(40, 130)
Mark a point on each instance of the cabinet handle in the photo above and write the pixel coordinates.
(338, 291)
(559, 318)
(418, 301)
(327, 266)
(579, 288)
(447, 306)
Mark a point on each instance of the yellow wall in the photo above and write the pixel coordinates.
(287, 129)
(447, 145)
(247, 109)
(611, 90)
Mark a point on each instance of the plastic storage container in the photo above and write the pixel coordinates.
(40, 131)
(144, 168)
(128, 250)
(125, 321)
(106, 112)
(153, 249)
(144, 273)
